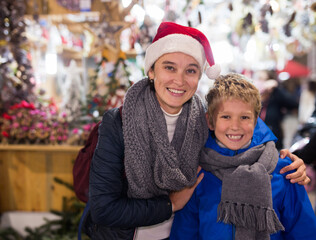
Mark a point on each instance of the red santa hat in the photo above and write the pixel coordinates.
(172, 37)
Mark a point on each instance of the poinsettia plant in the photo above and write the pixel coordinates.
(27, 123)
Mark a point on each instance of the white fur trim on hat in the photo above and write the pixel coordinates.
(213, 72)
(174, 43)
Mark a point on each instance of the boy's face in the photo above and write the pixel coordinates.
(234, 123)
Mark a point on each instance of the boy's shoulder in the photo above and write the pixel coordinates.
(282, 163)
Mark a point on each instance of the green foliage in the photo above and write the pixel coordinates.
(9, 234)
(64, 228)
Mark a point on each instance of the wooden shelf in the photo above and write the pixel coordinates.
(47, 148)
(69, 18)
(27, 175)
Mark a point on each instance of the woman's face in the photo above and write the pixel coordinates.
(176, 76)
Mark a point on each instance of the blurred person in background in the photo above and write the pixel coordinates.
(307, 100)
(276, 102)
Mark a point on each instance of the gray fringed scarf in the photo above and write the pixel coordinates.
(154, 166)
(246, 199)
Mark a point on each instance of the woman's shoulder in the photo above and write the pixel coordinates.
(112, 115)
(111, 118)
(110, 128)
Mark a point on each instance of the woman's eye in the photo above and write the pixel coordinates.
(169, 68)
(191, 71)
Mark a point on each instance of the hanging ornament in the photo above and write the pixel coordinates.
(312, 26)
(73, 5)
(245, 26)
(121, 75)
(287, 28)
(116, 99)
(73, 91)
(17, 81)
(200, 17)
(103, 74)
(264, 24)
(146, 32)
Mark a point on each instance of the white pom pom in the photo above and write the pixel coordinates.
(213, 72)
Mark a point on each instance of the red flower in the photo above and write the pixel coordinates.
(75, 131)
(7, 116)
(96, 100)
(5, 134)
(31, 106)
(15, 106)
(25, 104)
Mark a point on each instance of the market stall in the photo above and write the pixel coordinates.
(27, 174)
(64, 63)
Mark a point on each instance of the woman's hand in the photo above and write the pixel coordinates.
(299, 176)
(180, 198)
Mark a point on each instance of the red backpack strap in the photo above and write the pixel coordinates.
(81, 166)
(121, 110)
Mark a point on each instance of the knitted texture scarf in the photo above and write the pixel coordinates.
(246, 199)
(153, 166)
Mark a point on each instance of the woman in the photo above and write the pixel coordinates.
(145, 164)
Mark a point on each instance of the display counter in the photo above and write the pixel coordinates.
(27, 175)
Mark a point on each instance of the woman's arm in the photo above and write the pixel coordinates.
(179, 199)
(108, 185)
(299, 176)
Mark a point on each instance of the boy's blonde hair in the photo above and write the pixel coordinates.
(232, 86)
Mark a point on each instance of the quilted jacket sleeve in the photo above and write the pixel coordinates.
(108, 185)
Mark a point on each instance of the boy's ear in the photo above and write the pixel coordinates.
(208, 122)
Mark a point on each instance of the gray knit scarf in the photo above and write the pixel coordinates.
(154, 166)
(246, 199)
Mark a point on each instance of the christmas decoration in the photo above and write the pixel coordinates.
(146, 33)
(73, 92)
(25, 123)
(108, 29)
(265, 10)
(73, 5)
(16, 81)
(107, 87)
(259, 34)
(80, 136)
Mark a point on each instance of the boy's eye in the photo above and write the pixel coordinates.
(245, 117)
(225, 116)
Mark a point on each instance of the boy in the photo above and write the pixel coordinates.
(240, 166)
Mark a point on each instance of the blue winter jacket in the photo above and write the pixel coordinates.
(110, 208)
(198, 219)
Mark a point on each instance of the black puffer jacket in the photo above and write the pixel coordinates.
(279, 101)
(110, 209)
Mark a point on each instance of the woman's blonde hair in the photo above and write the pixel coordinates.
(232, 86)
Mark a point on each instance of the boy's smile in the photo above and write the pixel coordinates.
(234, 123)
